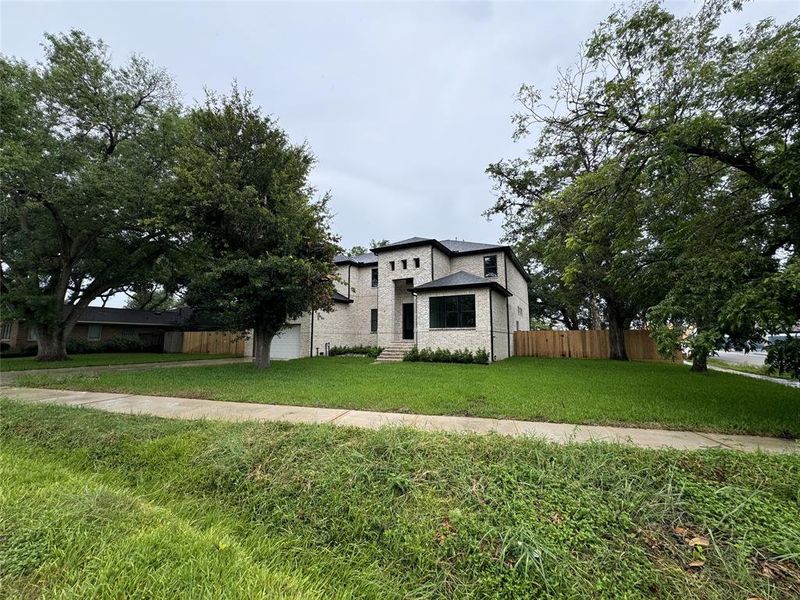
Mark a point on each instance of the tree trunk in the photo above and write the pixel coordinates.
(52, 344)
(262, 341)
(699, 363)
(616, 333)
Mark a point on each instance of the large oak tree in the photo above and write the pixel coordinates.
(264, 248)
(85, 151)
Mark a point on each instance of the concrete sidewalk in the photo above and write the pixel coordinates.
(188, 408)
(9, 377)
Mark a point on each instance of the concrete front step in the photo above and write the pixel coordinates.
(395, 352)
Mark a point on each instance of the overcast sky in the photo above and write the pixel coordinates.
(404, 104)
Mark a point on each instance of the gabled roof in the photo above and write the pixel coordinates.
(461, 246)
(360, 260)
(460, 279)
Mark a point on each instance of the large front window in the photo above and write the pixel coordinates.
(452, 311)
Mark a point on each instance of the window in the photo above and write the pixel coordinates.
(517, 325)
(32, 337)
(5, 332)
(373, 320)
(519, 311)
(374, 277)
(416, 263)
(452, 311)
(128, 332)
(490, 266)
(405, 263)
(391, 265)
(94, 332)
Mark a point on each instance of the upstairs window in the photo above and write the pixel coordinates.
(405, 263)
(490, 266)
(416, 263)
(452, 311)
(374, 277)
(391, 265)
(373, 320)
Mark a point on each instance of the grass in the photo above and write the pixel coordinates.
(572, 391)
(96, 505)
(754, 369)
(29, 363)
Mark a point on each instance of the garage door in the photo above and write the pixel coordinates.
(287, 343)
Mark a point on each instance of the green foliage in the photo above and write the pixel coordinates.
(783, 356)
(106, 506)
(664, 178)
(87, 151)
(371, 351)
(443, 355)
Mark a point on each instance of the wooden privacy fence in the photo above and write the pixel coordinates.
(204, 342)
(585, 344)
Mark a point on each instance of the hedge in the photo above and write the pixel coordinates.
(480, 357)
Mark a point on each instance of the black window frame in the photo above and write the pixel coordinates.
(391, 265)
(373, 320)
(416, 263)
(374, 276)
(404, 262)
(487, 267)
(452, 312)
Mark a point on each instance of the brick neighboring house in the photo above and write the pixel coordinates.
(420, 291)
(98, 324)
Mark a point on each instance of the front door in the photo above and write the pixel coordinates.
(408, 321)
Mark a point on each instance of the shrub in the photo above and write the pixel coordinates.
(80, 346)
(26, 351)
(443, 355)
(783, 356)
(371, 351)
(122, 344)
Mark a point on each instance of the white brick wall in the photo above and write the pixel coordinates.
(472, 338)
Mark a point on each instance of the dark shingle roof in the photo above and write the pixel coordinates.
(130, 316)
(460, 246)
(360, 260)
(460, 279)
(337, 297)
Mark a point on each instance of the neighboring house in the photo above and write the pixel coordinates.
(98, 324)
(433, 293)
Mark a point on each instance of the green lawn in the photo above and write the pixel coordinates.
(572, 391)
(28, 363)
(96, 505)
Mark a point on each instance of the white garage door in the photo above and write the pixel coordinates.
(287, 343)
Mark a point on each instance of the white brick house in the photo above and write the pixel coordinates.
(433, 293)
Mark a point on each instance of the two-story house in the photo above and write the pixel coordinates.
(433, 293)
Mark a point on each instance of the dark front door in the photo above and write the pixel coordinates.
(408, 321)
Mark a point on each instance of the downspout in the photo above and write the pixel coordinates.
(348, 280)
(491, 327)
(508, 317)
(311, 348)
(432, 263)
(416, 326)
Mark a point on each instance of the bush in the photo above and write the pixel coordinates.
(122, 344)
(81, 347)
(371, 351)
(783, 356)
(26, 351)
(442, 355)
